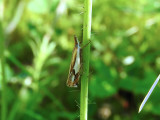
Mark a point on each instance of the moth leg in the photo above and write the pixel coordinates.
(81, 69)
(81, 72)
(81, 65)
(90, 73)
(86, 44)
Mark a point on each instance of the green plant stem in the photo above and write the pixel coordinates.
(85, 59)
(2, 64)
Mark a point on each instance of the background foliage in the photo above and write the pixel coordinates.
(124, 60)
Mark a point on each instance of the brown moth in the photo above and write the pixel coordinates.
(75, 66)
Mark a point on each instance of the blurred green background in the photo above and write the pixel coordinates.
(124, 59)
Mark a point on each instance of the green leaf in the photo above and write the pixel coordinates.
(103, 83)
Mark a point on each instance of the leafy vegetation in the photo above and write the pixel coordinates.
(124, 59)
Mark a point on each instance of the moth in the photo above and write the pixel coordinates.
(75, 66)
